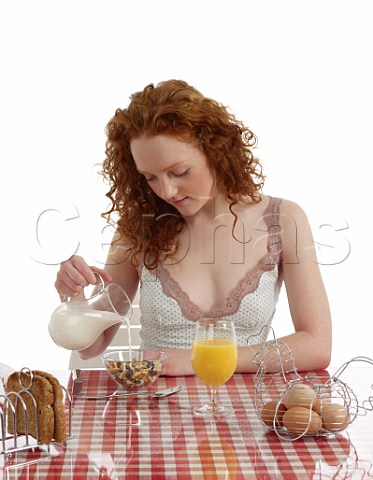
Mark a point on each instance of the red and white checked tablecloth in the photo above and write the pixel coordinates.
(162, 439)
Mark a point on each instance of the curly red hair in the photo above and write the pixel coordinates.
(149, 224)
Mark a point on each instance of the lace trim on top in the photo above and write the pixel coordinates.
(248, 284)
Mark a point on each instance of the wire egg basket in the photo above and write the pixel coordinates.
(295, 406)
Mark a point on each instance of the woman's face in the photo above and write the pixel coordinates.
(177, 172)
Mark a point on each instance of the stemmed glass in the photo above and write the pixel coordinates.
(214, 359)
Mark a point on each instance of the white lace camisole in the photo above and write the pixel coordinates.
(168, 315)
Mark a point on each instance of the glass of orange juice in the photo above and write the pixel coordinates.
(214, 359)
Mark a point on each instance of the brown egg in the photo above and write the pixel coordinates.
(335, 417)
(318, 404)
(299, 395)
(302, 420)
(269, 411)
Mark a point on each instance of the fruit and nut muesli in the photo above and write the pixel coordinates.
(134, 374)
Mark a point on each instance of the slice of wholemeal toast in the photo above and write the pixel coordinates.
(42, 391)
(59, 433)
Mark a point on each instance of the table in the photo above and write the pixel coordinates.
(161, 439)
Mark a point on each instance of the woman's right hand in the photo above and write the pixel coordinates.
(75, 274)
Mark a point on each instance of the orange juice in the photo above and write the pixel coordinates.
(214, 360)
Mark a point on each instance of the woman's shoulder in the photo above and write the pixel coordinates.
(295, 228)
(288, 209)
(292, 212)
(291, 218)
(278, 210)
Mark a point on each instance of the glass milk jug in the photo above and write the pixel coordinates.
(77, 323)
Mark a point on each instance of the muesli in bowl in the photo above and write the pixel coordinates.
(135, 369)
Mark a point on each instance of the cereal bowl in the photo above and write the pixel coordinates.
(140, 369)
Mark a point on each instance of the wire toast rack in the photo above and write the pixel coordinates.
(295, 406)
(12, 404)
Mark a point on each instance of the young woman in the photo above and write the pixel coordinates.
(196, 232)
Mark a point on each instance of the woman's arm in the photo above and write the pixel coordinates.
(311, 344)
(179, 362)
(75, 274)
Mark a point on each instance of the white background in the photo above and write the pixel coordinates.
(298, 73)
